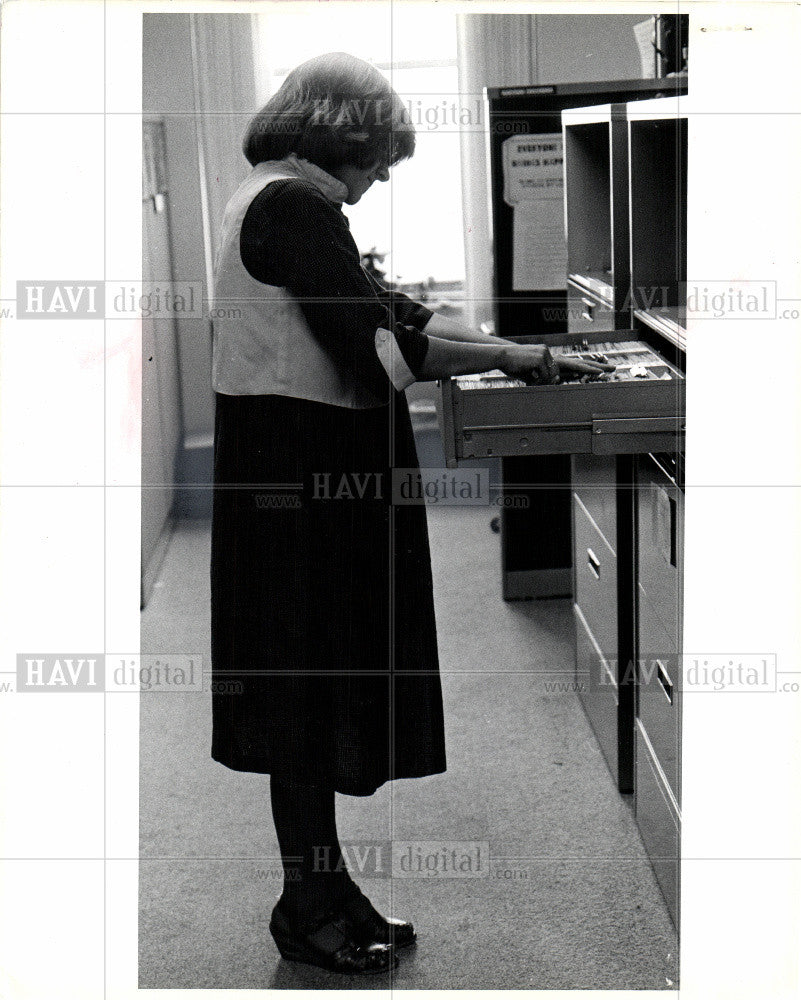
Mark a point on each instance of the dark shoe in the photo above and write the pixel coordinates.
(331, 945)
(369, 925)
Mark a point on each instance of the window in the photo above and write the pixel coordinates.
(416, 218)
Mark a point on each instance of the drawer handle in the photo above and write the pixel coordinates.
(666, 520)
(664, 679)
(587, 311)
(673, 536)
(594, 564)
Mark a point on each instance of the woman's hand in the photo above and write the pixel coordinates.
(536, 361)
(523, 360)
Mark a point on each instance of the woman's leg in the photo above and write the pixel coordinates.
(315, 876)
(309, 923)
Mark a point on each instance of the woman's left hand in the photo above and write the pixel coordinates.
(561, 368)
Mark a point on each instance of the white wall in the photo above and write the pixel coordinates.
(198, 80)
(204, 106)
(168, 93)
(585, 47)
(161, 406)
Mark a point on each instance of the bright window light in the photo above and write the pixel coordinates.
(415, 218)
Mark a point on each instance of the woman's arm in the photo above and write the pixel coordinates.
(448, 329)
(403, 309)
(448, 357)
(451, 357)
(412, 313)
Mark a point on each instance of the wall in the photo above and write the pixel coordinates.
(197, 80)
(168, 93)
(585, 47)
(161, 405)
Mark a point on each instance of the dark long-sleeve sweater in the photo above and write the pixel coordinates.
(293, 237)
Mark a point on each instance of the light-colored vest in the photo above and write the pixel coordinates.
(261, 342)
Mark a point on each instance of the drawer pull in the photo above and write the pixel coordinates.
(673, 554)
(666, 518)
(664, 679)
(594, 564)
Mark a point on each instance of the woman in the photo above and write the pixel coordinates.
(322, 606)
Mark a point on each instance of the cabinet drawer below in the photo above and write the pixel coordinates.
(596, 582)
(587, 312)
(659, 823)
(598, 693)
(660, 532)
(594, 480)
(659, 692)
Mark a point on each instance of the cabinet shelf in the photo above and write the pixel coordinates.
(658, 204)
(596, 216)
(589, 226)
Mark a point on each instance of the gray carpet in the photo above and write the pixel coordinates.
(570, 900)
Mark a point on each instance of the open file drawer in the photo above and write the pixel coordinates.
(492, 414)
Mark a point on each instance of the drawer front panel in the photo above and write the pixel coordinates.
(659, 692)
(598, 695)
(586, 313)
(596, 582)
(659, 826)
(595, 484)
(660, 542)
(492, 415)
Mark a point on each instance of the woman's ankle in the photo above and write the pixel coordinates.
(305, 903)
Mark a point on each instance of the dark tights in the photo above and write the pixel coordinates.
(315, 876)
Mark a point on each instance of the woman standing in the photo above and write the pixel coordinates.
(322, 605)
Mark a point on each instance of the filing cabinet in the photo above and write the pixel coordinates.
(626, 222)
(535, 543)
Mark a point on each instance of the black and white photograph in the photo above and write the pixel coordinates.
(399, 399)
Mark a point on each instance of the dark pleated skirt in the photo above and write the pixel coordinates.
(324, 650)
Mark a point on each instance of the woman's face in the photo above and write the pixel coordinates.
(359, 179)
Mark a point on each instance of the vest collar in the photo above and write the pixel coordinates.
(333, 189)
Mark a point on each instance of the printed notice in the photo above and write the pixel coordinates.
(533, 185)
(533, 168)
(539, 252)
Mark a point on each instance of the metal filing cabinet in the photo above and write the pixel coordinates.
(626, 228)
(535, 546)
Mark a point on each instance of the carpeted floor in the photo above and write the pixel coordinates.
(570, 900)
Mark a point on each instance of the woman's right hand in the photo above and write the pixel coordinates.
(536, 360)
(525, 360)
